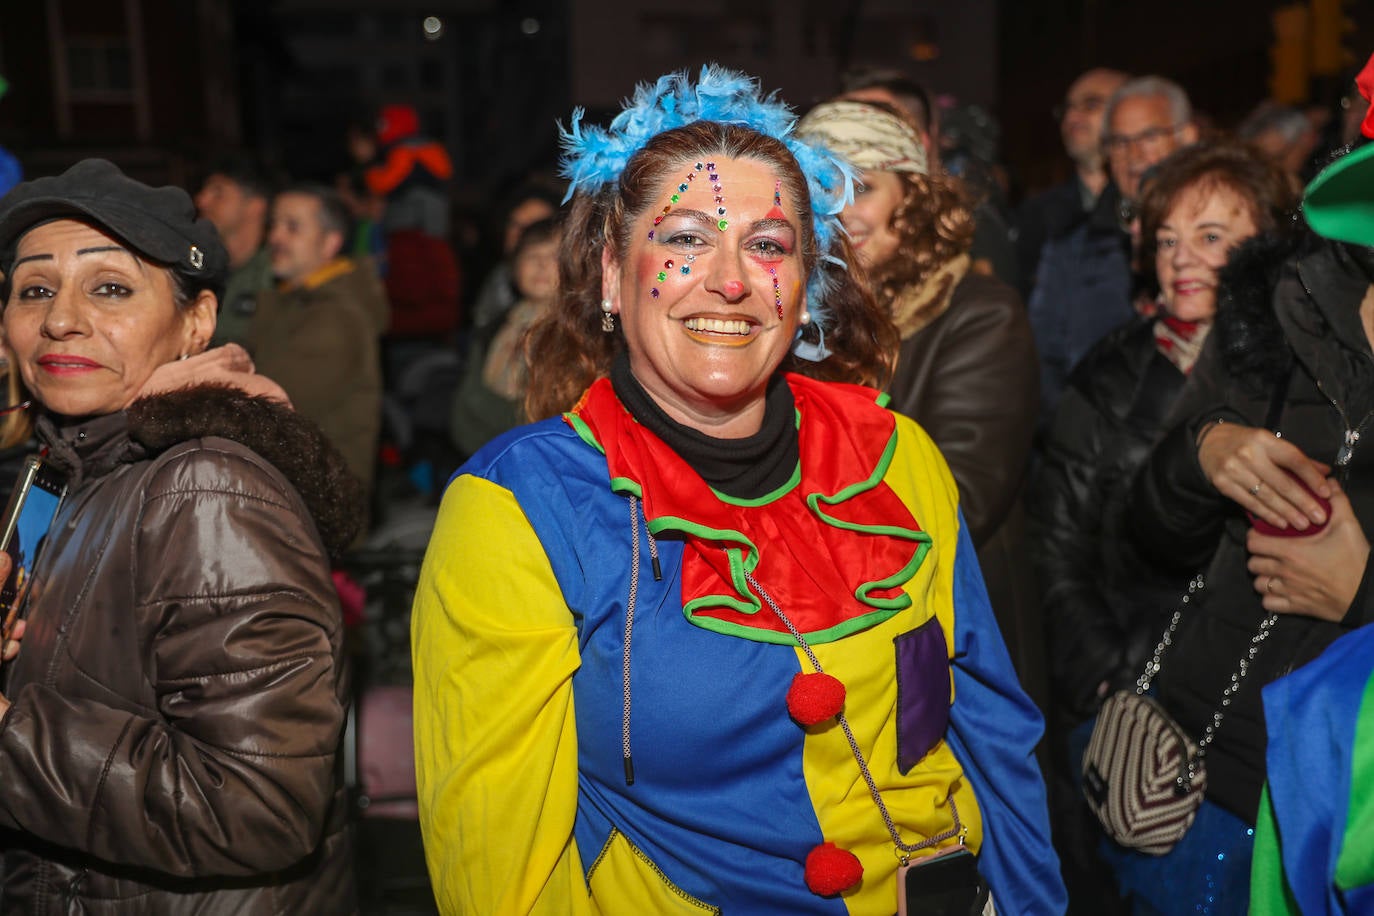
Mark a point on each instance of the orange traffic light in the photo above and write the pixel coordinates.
(1329, 27)
(1290, 67)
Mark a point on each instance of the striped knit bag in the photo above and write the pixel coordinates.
(1136, 774)
(1143, 776)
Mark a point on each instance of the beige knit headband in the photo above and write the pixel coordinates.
(870, 138)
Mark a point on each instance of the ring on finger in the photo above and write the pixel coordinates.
(1254, 491)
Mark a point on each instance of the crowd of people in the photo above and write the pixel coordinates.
(813, 532)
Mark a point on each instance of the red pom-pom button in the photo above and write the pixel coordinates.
(831, 870)
(815, 697)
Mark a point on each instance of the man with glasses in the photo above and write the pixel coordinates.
(1084, 286)
(1054, 212)
(1146, 119)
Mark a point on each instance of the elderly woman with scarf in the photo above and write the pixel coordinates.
(967, 369)
(1105, 602)
(1267, 486)
(712, 635)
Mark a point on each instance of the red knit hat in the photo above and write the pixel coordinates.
(397, 122)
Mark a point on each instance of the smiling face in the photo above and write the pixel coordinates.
(709, 300)
(1193, 241)
(88, 321)
(868, 220)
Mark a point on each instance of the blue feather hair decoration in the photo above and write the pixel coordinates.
(594, 157)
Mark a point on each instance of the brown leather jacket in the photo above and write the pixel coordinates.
(179, 700)
(971, 379)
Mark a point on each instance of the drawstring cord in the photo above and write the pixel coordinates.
(903, 849)
(635, 513)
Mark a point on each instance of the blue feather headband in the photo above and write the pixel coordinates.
(594, 157)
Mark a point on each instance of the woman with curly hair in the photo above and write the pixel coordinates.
(967, 369)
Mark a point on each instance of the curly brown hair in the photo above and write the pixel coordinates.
(1270, 193)
(566, 349)
(934, 224)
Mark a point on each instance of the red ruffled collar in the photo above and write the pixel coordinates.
(833, 547)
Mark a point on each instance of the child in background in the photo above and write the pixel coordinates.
(490, 398)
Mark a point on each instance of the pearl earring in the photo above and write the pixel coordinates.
(805, 317)
(607, 319)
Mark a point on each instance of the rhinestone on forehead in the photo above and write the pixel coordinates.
(675, 198)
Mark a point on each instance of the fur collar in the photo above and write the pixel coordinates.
(289, 442)
(1249, 336)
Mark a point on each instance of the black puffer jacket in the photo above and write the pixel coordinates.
(1291, 325)
(179, 700)
(1104, 604)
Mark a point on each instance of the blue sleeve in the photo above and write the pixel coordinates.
(994, 728)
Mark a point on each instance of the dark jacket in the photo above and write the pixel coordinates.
(969, 379)
(1044, 216)
(178, 704)
(1104, 604)
(1290, 324)
(1082, 291)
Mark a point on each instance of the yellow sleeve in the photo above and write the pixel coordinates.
(494, 648)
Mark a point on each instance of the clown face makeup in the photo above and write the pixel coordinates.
(705, 342)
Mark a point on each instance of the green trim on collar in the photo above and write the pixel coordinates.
(584, 432)
(767, 498)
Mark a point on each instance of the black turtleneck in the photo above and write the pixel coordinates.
(746, 468)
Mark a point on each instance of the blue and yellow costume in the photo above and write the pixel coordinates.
(528, 701)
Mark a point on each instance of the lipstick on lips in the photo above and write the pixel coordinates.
(65, 364)
(727, 331)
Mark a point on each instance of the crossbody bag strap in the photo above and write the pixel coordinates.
(1277, 399)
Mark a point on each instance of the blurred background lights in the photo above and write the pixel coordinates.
(529, 25)
(434, 28)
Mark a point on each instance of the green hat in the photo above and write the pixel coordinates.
(1339, 202)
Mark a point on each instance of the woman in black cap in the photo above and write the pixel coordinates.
(170, 729)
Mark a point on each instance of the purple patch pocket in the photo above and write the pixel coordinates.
(922, 692)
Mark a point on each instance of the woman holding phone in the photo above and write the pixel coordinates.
(169, 732)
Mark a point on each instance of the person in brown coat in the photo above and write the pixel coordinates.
(317, 333)
(170, 730)
(967, 369)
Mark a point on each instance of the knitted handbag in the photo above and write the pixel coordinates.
(1143, 775)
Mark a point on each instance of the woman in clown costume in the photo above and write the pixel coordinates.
(712, 638)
